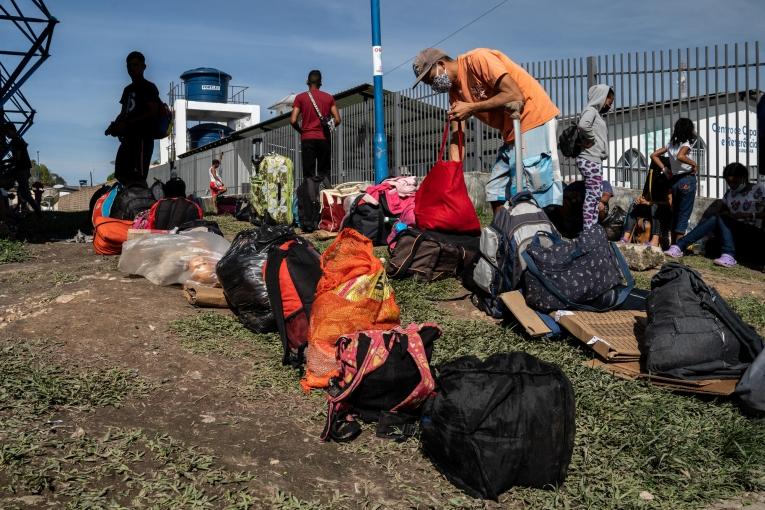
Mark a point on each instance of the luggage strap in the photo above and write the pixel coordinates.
(625, 290)
(378, 353)
(460, 143)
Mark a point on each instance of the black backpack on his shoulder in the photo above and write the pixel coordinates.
(500, 423)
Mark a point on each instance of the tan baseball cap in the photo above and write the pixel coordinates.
(424, 61)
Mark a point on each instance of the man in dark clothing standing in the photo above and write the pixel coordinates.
(134, 125)
(314, 109)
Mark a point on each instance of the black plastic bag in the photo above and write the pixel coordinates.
(240, 273)
(613, 223)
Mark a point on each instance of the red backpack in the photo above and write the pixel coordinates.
(292, 272)
(442, 202)
(384, 377)
(168, 213)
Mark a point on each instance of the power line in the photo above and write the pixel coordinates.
(500, 4)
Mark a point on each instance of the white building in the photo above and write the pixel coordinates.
(726, 125)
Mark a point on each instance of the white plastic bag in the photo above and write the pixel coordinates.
(169, 259)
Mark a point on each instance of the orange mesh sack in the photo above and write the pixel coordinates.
(352, 295)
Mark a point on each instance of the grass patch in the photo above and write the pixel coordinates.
(63, 278)
(13, 251)
(115, 468)
(704, 264)
(751, 309)
(211, 332)
(631, 436)
(229, 225)
(32, 385)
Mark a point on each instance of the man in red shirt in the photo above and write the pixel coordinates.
(309, 109)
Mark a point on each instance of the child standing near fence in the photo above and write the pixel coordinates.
(682, 174)
(216, 184)
(590, 160)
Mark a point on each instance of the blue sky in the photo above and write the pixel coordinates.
(270, 45)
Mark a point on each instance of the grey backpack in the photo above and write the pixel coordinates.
(501, 266)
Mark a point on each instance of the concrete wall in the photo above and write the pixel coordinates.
(623, 197)
(77, 200)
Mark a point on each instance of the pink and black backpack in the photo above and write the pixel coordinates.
(385, 377)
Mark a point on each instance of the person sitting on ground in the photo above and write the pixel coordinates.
(216, 184)
(737, 222)
(568, 218)
(681, 173)
(653, 204)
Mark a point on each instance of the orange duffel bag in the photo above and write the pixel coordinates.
(352, 295)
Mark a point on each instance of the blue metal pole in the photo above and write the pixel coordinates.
(380, 141)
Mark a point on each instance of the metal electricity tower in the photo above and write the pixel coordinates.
(20, 56)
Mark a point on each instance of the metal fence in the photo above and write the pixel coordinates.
(717, 87)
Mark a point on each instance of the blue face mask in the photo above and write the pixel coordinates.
(441, 83)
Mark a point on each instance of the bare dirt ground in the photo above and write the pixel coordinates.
(87, 315)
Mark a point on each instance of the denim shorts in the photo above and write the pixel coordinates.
(501, 185)
(683, 197)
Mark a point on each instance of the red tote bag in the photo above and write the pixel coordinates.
(442, 202)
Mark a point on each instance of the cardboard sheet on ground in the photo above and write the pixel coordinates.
(613, 336)
(527, 317)
(631, 370)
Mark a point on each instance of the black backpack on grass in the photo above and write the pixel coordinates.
(292, 273)
(130, 201)
(169, 213)
(500, 423)
(372, 221)
(500, 266)
(691, 331)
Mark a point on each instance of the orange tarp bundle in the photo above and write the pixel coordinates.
(353, 295)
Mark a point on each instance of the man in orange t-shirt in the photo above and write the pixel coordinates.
(488, 85)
